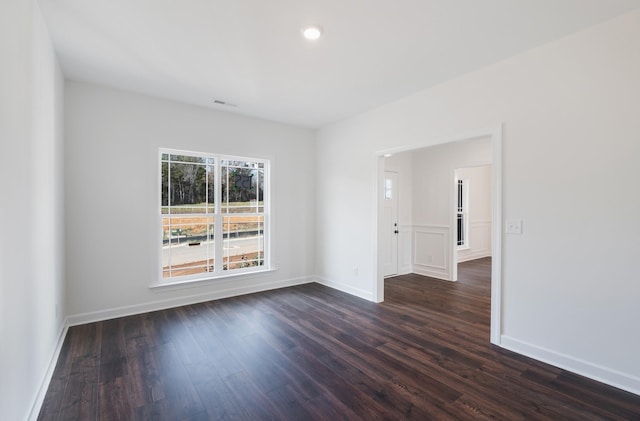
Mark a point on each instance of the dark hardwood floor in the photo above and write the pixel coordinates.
(310, 352)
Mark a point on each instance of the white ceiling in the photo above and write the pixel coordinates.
(250, 52)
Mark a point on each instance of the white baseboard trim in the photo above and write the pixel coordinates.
(566, 362)
(404, 271)
(474, 256)
(421, 270)
(96, 316)
(48, 375)
(367, 295)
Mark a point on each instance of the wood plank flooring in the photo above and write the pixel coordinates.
(310, 352)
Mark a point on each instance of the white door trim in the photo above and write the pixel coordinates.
(495, 133)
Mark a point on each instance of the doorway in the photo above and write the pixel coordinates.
(439, 236)
(389, 215)
(473, 215)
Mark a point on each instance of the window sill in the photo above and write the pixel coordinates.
(461, 248)
(187, 283)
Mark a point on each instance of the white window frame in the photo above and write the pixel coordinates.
(462, 209)
(218, 217)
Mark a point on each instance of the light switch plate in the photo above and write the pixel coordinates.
(513, 226)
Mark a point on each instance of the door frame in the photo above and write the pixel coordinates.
(495, 134)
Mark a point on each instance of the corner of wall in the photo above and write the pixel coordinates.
(36, 406)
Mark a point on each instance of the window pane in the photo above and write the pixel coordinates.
(165, 184)
(188, 245)
(211, 182)
(460, 229)
(241, 164)
(260, 185)
(239, 192)
(244, 241)
(188, 192)
(188, 158)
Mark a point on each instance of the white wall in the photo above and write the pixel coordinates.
(478, 241)
(112, 140)
(31, 209)
(570, 108)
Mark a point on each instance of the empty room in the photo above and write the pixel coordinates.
(319, 210)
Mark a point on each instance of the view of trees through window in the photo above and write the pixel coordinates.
(213, 214)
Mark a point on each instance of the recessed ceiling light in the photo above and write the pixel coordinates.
(312, 32)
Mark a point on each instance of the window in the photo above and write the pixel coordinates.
(214, 215)
(462, 214)
(388, 188)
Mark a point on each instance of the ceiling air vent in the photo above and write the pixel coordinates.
(219, 102)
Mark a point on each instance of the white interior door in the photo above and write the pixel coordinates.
(389, 235)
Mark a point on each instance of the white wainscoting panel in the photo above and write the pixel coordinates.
(405, 247)
(431, 251)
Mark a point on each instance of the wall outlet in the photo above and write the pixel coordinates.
(355, 271)
(513, 226)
